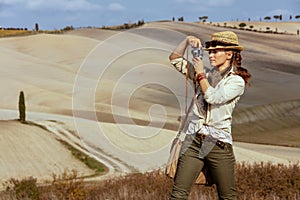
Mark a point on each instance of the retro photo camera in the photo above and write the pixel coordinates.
(197, 52)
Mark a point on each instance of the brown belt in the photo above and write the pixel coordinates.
(219, 143)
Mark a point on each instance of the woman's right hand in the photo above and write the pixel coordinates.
(180, 49)
(193, 41)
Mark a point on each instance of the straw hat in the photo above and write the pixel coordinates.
(223, 40)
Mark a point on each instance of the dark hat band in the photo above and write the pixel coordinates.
(221, 45)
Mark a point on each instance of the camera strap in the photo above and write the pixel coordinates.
(194, 100)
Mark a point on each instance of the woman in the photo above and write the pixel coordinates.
(208, 135)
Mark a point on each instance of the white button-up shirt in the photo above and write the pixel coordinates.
(221, 101)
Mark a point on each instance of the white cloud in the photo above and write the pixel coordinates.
(65, 5)
(115, 7)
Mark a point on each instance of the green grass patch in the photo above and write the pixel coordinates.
(87, 160)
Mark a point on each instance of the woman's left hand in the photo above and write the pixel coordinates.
(198, 65)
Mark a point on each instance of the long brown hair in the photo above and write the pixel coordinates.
(241, 71)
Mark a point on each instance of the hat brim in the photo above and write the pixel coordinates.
(240, 48)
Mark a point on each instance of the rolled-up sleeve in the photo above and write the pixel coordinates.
(226, 90)
(183, 66)
(180, 64)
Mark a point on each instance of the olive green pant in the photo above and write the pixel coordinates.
(220, 162)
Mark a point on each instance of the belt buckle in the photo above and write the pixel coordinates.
(220, 144)
(201, 136)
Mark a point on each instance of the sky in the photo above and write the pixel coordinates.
(57, 14)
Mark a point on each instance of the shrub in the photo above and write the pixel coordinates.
(256, 181)
(23, 189)
(242, 25)
(264, 180)
(68, 28)
(68, 186)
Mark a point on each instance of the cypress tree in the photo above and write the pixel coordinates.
(22, 107)
(36, 27)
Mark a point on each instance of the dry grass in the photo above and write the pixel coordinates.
(8, 33)
(258, 181)
(12, 33)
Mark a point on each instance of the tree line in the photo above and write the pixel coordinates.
(276, 17)
(14, 29)
(267, 18)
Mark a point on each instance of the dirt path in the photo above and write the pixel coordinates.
(35, 144)
(27, 150)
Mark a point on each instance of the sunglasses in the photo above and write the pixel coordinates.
(217, 43)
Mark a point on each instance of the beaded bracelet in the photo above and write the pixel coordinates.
(200, 76)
